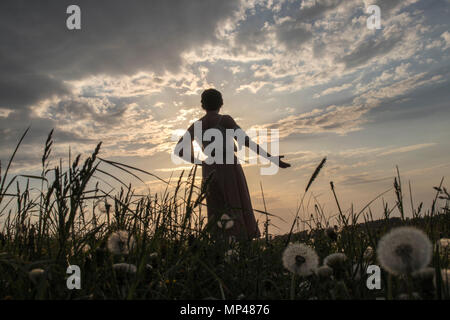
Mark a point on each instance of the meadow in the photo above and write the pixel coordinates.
(132, 246)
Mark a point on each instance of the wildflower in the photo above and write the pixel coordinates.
(36, 275)
(124, 268)
(225, 222)
(300, 259)
(335, 260)
(120, 242)
(324, 271)
(404, 250)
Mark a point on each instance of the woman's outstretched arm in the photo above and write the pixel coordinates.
(249, 143)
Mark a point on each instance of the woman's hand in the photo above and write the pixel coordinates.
(282, 164)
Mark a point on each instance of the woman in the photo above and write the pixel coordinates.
(227, 197)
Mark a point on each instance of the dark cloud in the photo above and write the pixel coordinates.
(319, 8)
(38, 54)
(251, 31)
(362, 178)
(21, 86)
(292, 34)
(74, 110)
(117, 37)
(369, 49)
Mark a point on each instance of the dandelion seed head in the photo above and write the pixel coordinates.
(225, 222)
(404, 250)
(324, 271)
(120, 242)
(335, 260)
(300, 259)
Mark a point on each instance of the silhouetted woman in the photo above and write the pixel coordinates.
(227, 192)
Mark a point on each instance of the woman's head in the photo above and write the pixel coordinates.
(211, 100)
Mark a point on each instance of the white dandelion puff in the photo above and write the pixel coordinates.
(324, 271)
(120, 242)
(124, 268)
(300, 259)
(404, 250)
(335, 260)
(36, 275)
(225, 222)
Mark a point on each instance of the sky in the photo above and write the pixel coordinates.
(367, 99)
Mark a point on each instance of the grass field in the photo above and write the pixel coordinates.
(130, 246)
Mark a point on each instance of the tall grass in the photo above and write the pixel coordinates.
(177, 253)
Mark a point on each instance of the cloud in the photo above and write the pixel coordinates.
(333, 119)
(116, 38)
(407, 148)
(446, 37)
(331, 90)
(369, 49)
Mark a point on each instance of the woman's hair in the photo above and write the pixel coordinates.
(211, 100)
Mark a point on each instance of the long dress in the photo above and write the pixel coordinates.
(227, 193)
